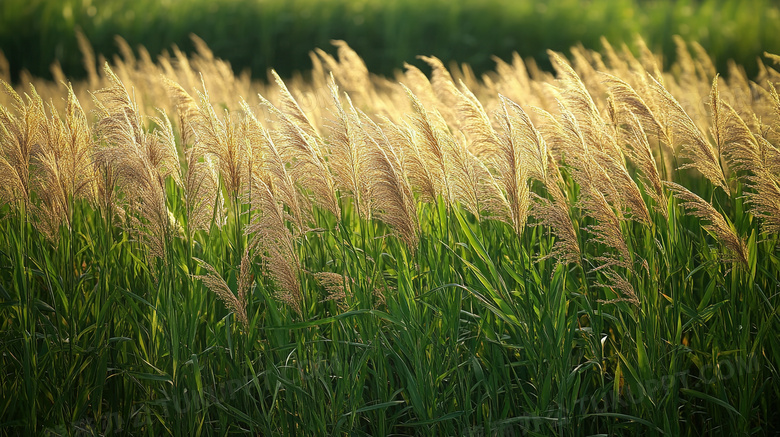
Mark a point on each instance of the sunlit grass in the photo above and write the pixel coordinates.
(344, 255)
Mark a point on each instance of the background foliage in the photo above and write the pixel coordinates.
(260, 34)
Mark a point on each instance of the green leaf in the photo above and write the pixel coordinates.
(709, 398)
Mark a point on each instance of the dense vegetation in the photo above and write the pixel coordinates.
(187, 252)
(263, 34)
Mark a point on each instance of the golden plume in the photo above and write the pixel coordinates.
(715, 224)
(274, 170)
(63, 167)
(188, 109)
(5, 69)
(532, 153)
(236, 303)
(626, 188)
(555, 214)
(431, 158)
(476, 124)
(513, 163)
(620, 286)
(348, 159)
(421, 87)
(441, 81)
(638, 151)
(579, 102)
(597, 190)
(694, 146)
(289, 106)
(203, 199)
(270, 235)
(142, 163)
(392, 199)
(630, 101)
(471, 182)
(307, 164)
(350, 71)
(18, 135)
(764, 199)
(89, 59)
(757, 164)
(224, 140)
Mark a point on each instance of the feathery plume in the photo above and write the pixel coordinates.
(638, 151)
(307, 164)
(204, 203)
(275, 171)
(5, 68)
(627, 189)
(580, 159)
(89, 59)
(738, 145)
(353, 70)
(471, 181)
(555, 214)
(235, 303)
(457, 170)
(186, 75)
(775, 100)
(684, 61)
(615, 61)
(340, 287)
(392, 199)
(476, 123)
(126, 51)
(430, 158)
(337, 286)
(715, 224)
(350, 70)
(512, 164)
(532, 147)
(694, 146)
(63, 166)
(223, 139)
(421, 87)
(139, 164)
(188, 109)
(649, 61)
(579, 102)
(18, 135)
(629, 100)
(441, 81)
(289, 106)
(597, 191)
(764, 199)
(606, 230)
(270, 235)
(757, 163)
(348, 157)
(513, 79)
(203, 200)
(704, 62)
(620, 286)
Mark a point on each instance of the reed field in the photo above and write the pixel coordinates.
(587, 251)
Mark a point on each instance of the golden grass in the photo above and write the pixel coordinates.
(604, 121)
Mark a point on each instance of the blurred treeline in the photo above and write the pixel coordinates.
(263, 34)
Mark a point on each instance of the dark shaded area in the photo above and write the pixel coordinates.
(259, 35)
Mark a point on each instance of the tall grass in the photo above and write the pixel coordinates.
(590, 252)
